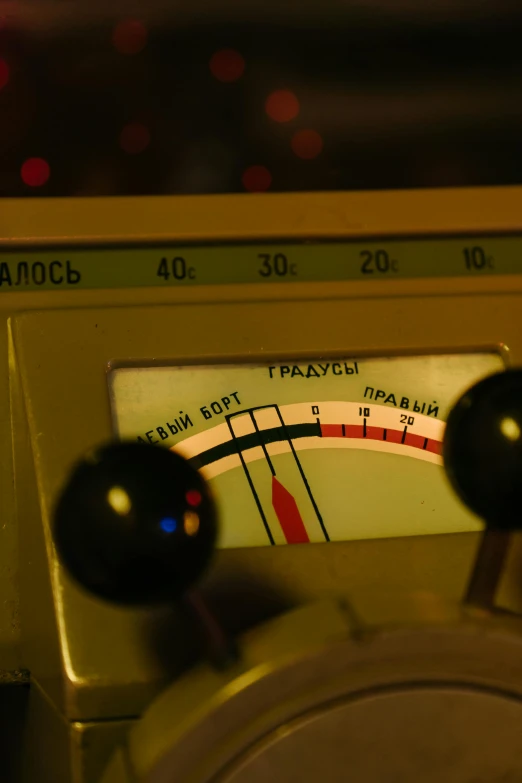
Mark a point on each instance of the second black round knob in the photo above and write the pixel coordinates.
(135, 524)
(483, 449)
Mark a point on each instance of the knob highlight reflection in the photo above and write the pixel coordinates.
(135, 524)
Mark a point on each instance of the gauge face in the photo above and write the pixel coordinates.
(310, 451)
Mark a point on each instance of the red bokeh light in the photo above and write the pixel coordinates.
(4, 73)
(227, 65)
(129, 36)
(307, 144)
(256, 179)
(134, 138)
(35, 172)
(193, 498)
(282, 106)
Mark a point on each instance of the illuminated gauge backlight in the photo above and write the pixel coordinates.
(310, 451)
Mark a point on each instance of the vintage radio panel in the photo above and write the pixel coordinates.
(303, 353)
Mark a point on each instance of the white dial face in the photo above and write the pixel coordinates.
(310, 451)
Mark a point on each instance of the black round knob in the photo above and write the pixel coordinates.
(482, 449)
(135, 524)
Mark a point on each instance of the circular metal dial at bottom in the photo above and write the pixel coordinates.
(431, 703)
(428, 734)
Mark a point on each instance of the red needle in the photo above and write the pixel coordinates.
(288, 514)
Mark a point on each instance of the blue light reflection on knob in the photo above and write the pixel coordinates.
(168, 525)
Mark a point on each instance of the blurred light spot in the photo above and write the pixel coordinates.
(282, 106)
(509, 428)
(129, 36)
(35, 172)
(256, 179)
(307, 144)
(193, 498)
(227, 65)
(119, 500)
(134, 138)
(4, 73)
(168, 525)
(191, 523)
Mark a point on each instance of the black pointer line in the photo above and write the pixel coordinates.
(262, 442)
(301, 471)
(251, 484)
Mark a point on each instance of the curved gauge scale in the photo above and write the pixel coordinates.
(310, 451)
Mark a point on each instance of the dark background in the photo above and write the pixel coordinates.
(402, 95)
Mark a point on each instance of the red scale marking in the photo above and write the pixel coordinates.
(417, 441)
(374, 433)
(331, 430)
(377, 433)
(435, 446)
(288, 514)
(394, 436)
